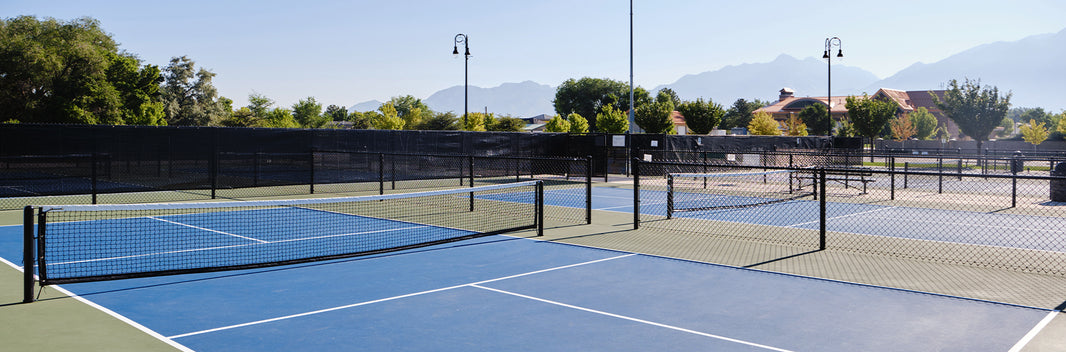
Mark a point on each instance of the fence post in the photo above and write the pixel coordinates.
(94, 176)
(28, 259)
(470, 162)
(381, 173)
(669, 196)
(892, 177)
(636, 192)
(588, 189)
(821, 210)
(539, 209)
(312, 170)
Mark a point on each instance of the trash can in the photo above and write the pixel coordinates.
(1058, 186)
(1017, 164)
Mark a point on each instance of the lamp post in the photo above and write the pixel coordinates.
(462, 39)
(829, 44)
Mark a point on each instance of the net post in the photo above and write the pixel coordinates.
(381, 173)
(39, 255)
(636, 192)
(821, 210)
(539, 208)
(670, 196)
(588, 189)
(470, 163)
(27, 254)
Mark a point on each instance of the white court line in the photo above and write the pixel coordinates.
(630, 205)
(207, 229)
(642, 321)
(391, 298)
(1035, 331)
(120, 317)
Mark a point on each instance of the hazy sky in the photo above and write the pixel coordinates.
(346, 52)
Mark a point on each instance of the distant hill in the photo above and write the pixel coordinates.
(1032, 68)
(523, 99)
(806, 77)
(365, 106)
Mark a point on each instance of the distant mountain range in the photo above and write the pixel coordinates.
(1031, 68)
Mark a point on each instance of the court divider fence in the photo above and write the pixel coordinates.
(1001, 221)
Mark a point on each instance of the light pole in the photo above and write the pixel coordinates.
(829, 43)
(462, 39)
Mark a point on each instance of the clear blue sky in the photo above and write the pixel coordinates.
(346, 52)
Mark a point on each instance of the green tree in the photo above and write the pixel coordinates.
(903, 128)
(474, 122)
(259, 104)
(740, 114)
(925, 124)
(363, 120)
(189, 98)
(278, 118)
(610, 120)
(667, 94)
(588, 96)
(507, 124)
(847, 129)
(655, 117)
(242, 117)
(308, 113)
(817, 118)
(700, 116)
(72, 72)
(388, 119)
(557, 124)
(762, 124)
(579, 124)
(412, 110)
(794, 126)
(976, 110)
(336, 113)
(1060, 124)
(1034, 132)
(440, 121)
(869, 116)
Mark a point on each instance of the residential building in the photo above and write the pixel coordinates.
(908, 101)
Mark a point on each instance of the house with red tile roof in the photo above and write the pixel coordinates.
(788, 103)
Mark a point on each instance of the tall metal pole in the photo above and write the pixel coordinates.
(829, 43)
(463, 39)
(631, 65)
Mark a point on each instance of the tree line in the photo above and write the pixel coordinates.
(73, 72)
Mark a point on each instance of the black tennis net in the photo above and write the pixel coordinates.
(733, 190)
(80, 243)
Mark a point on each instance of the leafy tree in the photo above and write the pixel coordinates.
(362, 120)
(441, 121)
(1008, 127)
(794, 126)
(869, 116)
(336, 113)
(903, 128)
(557, 124)
(308, 113)
(740, 114)
(388, 119)
(72, 72)
(610, 120)
(925, 124)
(579, 124)
(507, 124)
(667, 94)
(474, 122)
(976, 110)
(1037, 114)
(762, 124)
(588, 96)
(189, 98)
(817, 115)
(655, 117)
(1034, 132)
(242, 117)
(1060, 124)
(259, 104)
(847, 129)
(279, 118)
(700, 116)
(412, 110)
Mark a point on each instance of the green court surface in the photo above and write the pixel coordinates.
(60, 323)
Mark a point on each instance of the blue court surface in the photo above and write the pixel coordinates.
(503, 293)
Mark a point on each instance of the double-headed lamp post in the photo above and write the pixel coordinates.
(462, 39)
(829, 44)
